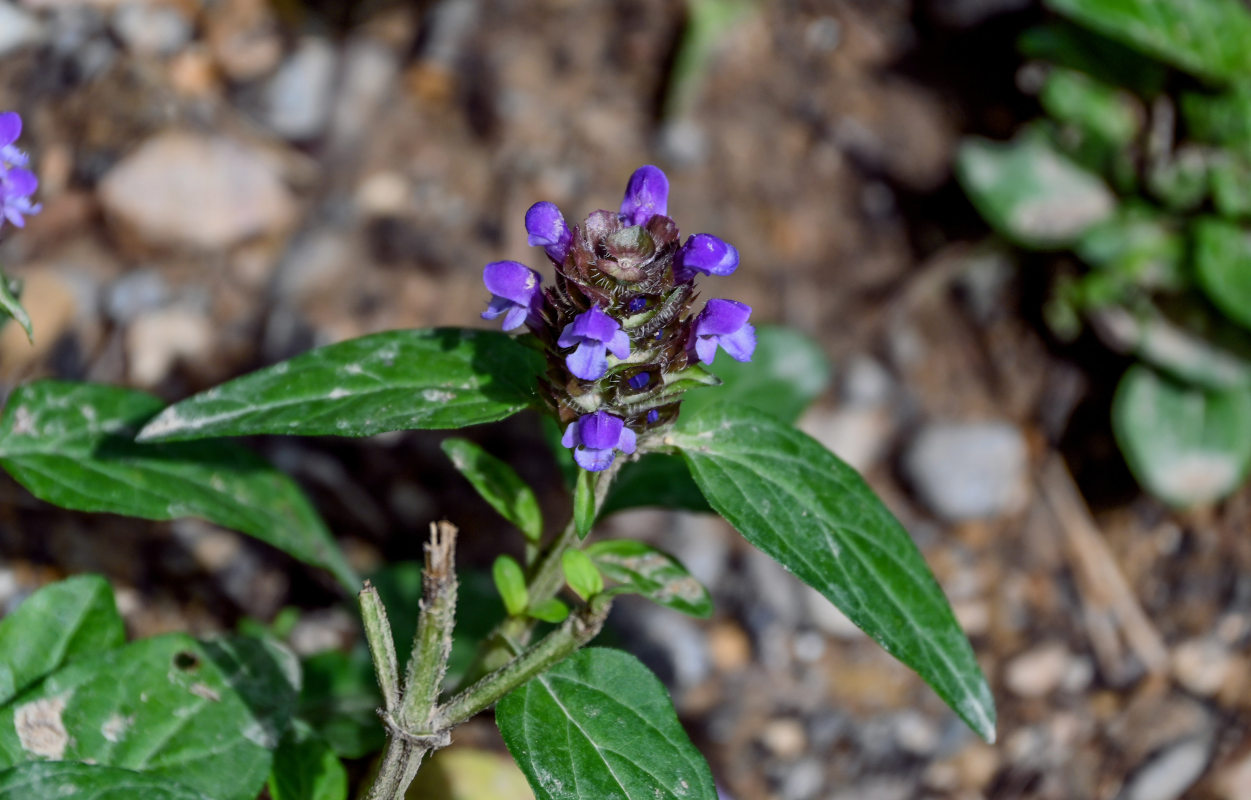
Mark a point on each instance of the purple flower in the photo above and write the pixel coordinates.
(17, 184)
(704, 253)
(547, 229)
(724, 323)
(516, 292)
(646, 194)
(595, 438)
(595, 334)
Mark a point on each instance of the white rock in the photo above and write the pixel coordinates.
(17, 28)
(1170, 773)
(1202, 665)
(858, 435)
(150, 28)
(965, 471)
(198, 191)
(297, 98)
(156, 341)
(826, 617)
(1038, 672)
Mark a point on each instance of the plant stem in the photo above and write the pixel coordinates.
(381, 646)
(576, 631)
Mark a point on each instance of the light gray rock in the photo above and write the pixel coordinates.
(966, 471)
(134, 293)
(150, 28)
(206, 192)
(671, 644)
(296, 101)
(1038, 671)
(1171, 771)
(18, 29)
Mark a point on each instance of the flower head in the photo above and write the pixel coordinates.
(17, 183)
(646, 195)
(515, 290)
(596, 438)
(704, 253)
(724, 323)
(594, 334)
(547, 229)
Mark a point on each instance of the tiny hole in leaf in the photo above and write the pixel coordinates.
(186, 661)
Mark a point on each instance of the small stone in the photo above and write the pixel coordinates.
(968, 471)
(1202, 665)
(149, 28)
(1038, 672)
(729, 647)
(157, 341)
(244, 38)
(826, 617)
(804, 780)
(1234, 781)
(865, 382)
(297, 98)
(321, 630)
(671, 644)
(916, 734)
(135, 293)
(773, 590)
(784, 738)
(858, 435)
(184, 189)
(1171, 772)
(17, 29)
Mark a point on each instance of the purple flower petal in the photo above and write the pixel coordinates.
(19, 182)
(721, 317)
(646, 194)
(628, 441)
(516, 317)
(570, 439)
(512, 280)
(10, 127)
(619, 344)
(600, 430)
(497, 306)
(594, 460)
(640, 381)
(740, 344)
(706, 348)
(547, 229)
(705, 253)
(589, 361)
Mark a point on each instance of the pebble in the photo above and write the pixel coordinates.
(134, 293)
(671, 644)
(784, 738)
(197, 191)
(296, 100)
(865, 382)
(1171, 772)
(729, 647)
(773, 590)
(825, 616)
(17, 28)
(859, 435)
(915, 733)
(1202, 665)
(804, 780)
(969, 471)
(1234, 781)
(156, 341)
(148, 28)
(1039, 671)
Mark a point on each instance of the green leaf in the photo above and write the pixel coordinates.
(600, 725)
(498, 484)
(510, 582)
(1221, 119)
(656, 479)
(340, 699)
(70, 619)
(1223, 266)
(1030, 193)
(639, 568)
(305, 768)
(1184, 445)
(9, 305)
(1106, 60)
(550, 610)
(1138, 243)
(36, 780)
(393, 381)
(800, 504)
(70, 445)
(584, 502)
(160, 706)
(1207, 38)
(1100, 109)
(1230, 176)
(581, 574)
(1182, 180)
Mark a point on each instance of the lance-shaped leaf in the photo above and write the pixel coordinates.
(162, 706)
(798, 502)
(73, 779)
(70, 444)
(62, 621)
(1185, 445)
(598, 725)
(10, 305)
(498, 484)
(1223, 264)
(392, 381)
(638, 568)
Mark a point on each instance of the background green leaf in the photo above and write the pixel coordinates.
(71, 779)
(799, 503)
(70, 619)
(1184, 445)
(70, 445)
(600, 725)
(10, 305)
(498, 484)
(1223, 265)
(1207, 38)
(392, 381)
(305, 768)
(639, 568)
(161, 706)
(1031, 193)
(340, 700)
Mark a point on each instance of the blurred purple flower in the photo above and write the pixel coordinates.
(646, 194)
(704, 253)
(596, 438)
(17, 184)
(724, 323)
(547, 229)
(515, 290)
(595, 334)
